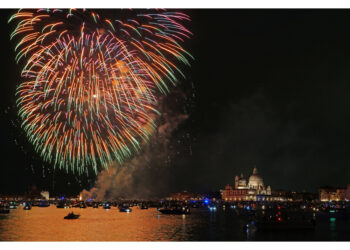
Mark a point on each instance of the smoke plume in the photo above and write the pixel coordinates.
(146, 175)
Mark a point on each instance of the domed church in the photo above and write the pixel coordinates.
(253, 190)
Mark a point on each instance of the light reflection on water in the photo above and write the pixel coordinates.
(47, 224)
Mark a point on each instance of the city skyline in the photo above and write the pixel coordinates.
(260, 92)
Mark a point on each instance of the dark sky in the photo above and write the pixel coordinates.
(271, 89)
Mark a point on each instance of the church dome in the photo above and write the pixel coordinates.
(255, 180)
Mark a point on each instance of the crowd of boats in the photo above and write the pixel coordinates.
(289, 216)
(256, 215)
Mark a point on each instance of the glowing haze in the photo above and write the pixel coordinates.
(91, 85)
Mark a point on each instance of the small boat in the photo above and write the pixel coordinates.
(4, 210)
(143, 206)
(333, 213)
(72, 216)
(44, 204)
(62, 204)
(212, 208)
(35, 204)
(13, 205)
(27, 206)
(194, 205)
(125, 209)
(174, 210)
(76, 204)
(82, 205)
(107, 206)
(285, 221)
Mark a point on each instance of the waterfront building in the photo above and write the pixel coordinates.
(7, 197)
(190, 196)
(184, 196)
(253, 190)
(347, 193)
(331, 194)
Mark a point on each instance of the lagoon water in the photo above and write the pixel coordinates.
(47, 224)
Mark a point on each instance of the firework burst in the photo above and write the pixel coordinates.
(90, 84)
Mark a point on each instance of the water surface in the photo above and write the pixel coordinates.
(47, 224)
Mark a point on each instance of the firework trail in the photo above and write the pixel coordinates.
(91, 84)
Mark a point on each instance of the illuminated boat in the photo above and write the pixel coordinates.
(334, 212)
(284, 220)
(125, 209)
(107, 205)
(44, 204)
(212, 208)
(27, 206)
(72, 216)
(12, 205)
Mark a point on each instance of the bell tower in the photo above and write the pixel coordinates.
(236, 181)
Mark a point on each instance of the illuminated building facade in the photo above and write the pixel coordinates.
(254, 190)
(331, 194)
(347, 193)
(184, 196)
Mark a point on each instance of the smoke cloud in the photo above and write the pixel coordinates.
(145, 176)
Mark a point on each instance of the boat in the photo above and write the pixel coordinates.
(125, 209)
(143, 206)
(175, 210)
(35, 204)
(212, 208)
(44, 204)
(27, 206)
(195, 205)
(107, 206)
(13, 205)
(82, 205)
(4, 210)
(72, 216)
(75, 204)
(62, 204)
(333, 213)
(284, 221)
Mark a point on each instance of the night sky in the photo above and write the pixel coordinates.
(271, 90)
